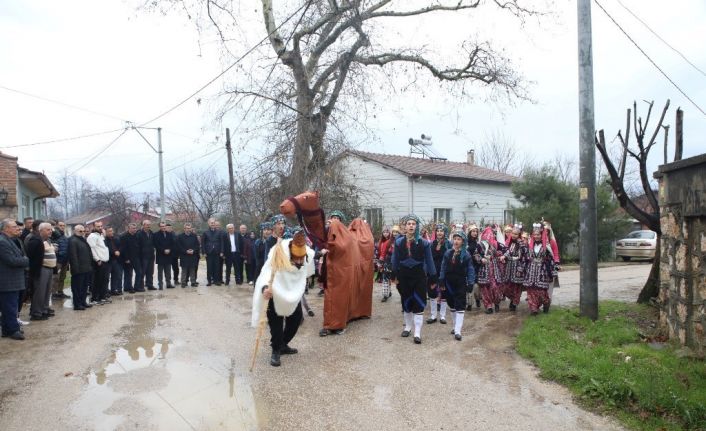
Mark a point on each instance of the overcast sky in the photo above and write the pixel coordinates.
(124, 64)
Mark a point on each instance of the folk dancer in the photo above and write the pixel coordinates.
(437, 295)
(413, 265)
(474, 248)
(515, 258)
(282, 281)
(384, 248)
(490, 275)
(457, 275)
(541, 270)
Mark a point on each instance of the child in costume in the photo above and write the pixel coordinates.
(541, 270)
(515, 265)
(455, 278)
(490, 273)
(439, 247)
(384, 246)
(474, 248)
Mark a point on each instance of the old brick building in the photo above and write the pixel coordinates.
(23, 193)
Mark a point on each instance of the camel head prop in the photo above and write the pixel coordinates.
(306, 209)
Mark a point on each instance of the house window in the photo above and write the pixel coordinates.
(374, 218)
(25, 206)
(509, 217)
(442, 215)
(38, 213)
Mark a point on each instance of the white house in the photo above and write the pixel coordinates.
(392, 186)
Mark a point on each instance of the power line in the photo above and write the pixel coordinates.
(73, 138)
(226, 69)
(103, 150)
(660, 38)
(175, 167)
(650, 59)
(57, 102)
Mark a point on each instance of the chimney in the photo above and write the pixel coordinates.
(471, 157)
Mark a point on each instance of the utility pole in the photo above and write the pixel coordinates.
(161, 174)
(587, 158)
(231, 180)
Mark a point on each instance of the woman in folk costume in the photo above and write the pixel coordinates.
(515, 265)
(474, 249)
(439, 247)
(490, 271)
(281, 283)
(455, 278)
(541, 269)
(412, 263)
(383, 262)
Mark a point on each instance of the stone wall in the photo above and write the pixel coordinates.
(682, 201)
(8, 181)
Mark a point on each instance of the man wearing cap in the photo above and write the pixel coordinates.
(281, 283)
(413, 265)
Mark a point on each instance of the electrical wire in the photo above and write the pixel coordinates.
(68, 105)
(175, 167)
(662, 39)
(73, 138)
(101, 151)
(649, 58)
(232, 65)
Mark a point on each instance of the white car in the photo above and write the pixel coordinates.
(639, 244)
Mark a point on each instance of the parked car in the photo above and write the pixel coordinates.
(638, 244)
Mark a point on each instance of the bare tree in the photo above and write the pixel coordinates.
(332, 55)
(198, 195)
(500, 153)
(75, 196)
(115, 201)
(648, 215)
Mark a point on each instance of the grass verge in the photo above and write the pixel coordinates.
(611, 366)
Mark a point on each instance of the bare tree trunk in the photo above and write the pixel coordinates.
(651, 288)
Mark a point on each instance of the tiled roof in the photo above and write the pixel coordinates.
(436, 168)
(87, 217)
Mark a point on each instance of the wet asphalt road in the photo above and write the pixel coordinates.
(178, 360)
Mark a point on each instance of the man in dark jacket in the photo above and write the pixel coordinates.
(80, 262)
(42, 261)
(28, 222)
(131, 260)
(212, 248)
(165, 248)
(61, 246)
(145, 238)
(12, 279)
(115, 262)
(175, 255)
(189, 252)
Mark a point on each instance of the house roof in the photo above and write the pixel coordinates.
(415, 166)
(37, 182)
(86, 217)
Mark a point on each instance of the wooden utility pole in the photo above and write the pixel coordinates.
(679, 145)
(231, 180)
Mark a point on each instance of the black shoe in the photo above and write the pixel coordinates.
(194, 285)
(139, 290)
(442, 321)
(321, 292)
(207, 284)
(310, 313)
(227, 282)
(405, 334)
(477, 303)
(239, 282)
(417, 340)
(534, 313)
(274, 359)
(160, 288)
(170, 286)
(79, 308)
(458, 337)
(497, 307)
(469, 307)
(17, 336)
(51, 311)
(38, 317)
(338, 331)
(323, 332)
(488, 311)
(219, 284)
(183, 285)
(286, 350)
(431, 320)
(86, 306)
(384, 299)
(513, 307)
(57, 295)
(545, 308)
(152, 288)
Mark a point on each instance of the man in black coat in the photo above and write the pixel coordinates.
(233, 248)
(42, 262)
(115, 264)
(212, 248)
(81, 264)
(131, 260)
(12, 273)
(145, 238)
(165, 248)
(175, 255)
(189, 252)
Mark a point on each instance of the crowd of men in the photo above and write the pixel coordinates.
(36, 256)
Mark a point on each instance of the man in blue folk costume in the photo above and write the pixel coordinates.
(413, 265)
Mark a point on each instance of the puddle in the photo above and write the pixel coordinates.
(159, 383)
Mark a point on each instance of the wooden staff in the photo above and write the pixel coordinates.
(278, 262)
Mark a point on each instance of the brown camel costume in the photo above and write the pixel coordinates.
(349, 272)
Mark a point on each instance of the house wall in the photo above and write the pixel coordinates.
(35, 207)
(8, 181)
(398, 195)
